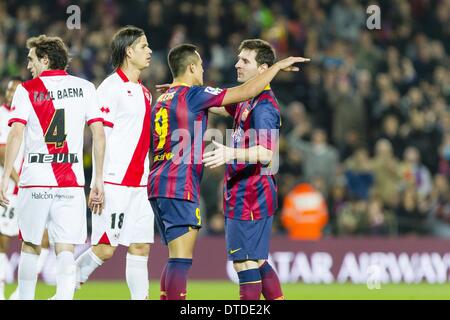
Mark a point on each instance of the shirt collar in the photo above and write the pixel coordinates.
(179, 84)
(47, 73)
(122, 75)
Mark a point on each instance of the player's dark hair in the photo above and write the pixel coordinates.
(123, 38)
(52, 47)
(180, 57)
(265, 54)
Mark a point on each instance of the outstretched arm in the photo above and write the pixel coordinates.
(254, 86)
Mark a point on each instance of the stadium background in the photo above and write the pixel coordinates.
(366, 122)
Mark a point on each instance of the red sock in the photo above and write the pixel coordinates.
(250, 291)
(162, 284)
(250, 285)
(271, 287)
(176, 278)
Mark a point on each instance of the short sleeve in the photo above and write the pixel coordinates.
(202, 98)
(20, 106)
(107, 104)
(93, 113)
(266, 122)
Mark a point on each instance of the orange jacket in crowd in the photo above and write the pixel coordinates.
(304, 213)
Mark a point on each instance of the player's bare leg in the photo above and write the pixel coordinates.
(137, 270)
(65, 271)
(183, 247)
(4, 244)
(103, 251)
(180, 261)
(27, 274)
(271, 287)
(250, 284)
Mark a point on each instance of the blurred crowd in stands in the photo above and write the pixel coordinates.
(366, 123)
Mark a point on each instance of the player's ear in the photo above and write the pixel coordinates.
(44, 60)
(263, 67)
(191, 67)
(129, 51)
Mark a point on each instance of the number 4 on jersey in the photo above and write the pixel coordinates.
(56, 133)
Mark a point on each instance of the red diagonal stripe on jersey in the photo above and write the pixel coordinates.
(135, 169)
(45, 110)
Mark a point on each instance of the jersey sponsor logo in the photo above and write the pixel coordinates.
(162, 157)
(53, 158)
(214, 91)
(46, 196)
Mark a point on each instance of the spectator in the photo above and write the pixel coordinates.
(318, 157)
(415, 174)
(359, 174)
(386, 172)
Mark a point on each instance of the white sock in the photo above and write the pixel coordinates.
(65, 275)
(87, 262)
(42, 258)
(3, 261)
(27, 275)
(137, 276)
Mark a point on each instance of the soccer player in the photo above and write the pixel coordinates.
(128, 216)
(250, 197)
(52, 110)
(174, 181)
(8, 218)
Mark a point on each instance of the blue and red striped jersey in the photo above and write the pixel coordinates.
(179, 119)
(249, 194)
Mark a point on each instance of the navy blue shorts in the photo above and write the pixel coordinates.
(175, 217)
(248, 239)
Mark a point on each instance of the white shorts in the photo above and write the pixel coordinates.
(8, 218)
(127, 217)
(61, 210)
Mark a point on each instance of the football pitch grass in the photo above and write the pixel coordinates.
(223, 290)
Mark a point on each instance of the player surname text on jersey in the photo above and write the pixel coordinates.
(40, 96)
